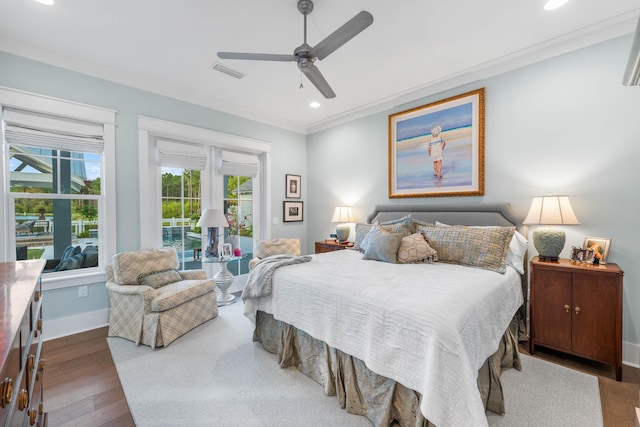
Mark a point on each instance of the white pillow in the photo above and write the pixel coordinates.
(517, 249)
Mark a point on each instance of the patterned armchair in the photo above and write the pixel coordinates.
(151, 302)
(265, 248)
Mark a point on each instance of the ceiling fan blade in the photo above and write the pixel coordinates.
(315, 76)
(342, 35)
(256, 56)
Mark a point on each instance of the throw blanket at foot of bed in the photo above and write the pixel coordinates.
(261, 275)
(361, 391)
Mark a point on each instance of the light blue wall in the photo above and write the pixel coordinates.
(565, 125)
(289, 153)
(562, 126)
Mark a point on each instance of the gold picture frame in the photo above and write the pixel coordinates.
(437, 150)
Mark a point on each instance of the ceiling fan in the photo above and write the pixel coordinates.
(306, 55)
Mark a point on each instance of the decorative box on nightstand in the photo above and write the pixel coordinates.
(326, 246)
(577, 308)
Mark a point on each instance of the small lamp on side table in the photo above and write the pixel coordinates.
(550, 210)
(343, 214)
(213, 219)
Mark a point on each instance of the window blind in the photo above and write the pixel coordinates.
(182, 155)
(31, 129)
(238, 164)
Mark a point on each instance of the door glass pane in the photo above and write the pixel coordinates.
(238, 207)
(181, 208)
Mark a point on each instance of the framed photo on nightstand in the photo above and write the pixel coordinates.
(600, 246)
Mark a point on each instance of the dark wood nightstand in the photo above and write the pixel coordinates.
(324, 246)
(577, 308)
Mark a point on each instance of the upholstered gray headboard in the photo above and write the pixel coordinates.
(487, 214)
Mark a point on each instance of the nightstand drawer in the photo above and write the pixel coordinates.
(322, 247)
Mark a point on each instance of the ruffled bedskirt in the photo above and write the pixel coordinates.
(361, 391)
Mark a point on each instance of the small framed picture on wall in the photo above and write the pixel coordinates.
(293, 185)
(292, 211)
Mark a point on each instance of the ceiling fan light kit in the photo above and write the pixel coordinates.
(305, 55)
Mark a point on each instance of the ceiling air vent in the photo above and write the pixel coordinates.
(228, 71)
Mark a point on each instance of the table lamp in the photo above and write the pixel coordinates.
(213, 219)
(550, 210)
(342, 215)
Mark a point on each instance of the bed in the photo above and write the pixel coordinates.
(411, 344)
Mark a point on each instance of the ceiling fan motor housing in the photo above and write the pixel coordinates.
(305, 6)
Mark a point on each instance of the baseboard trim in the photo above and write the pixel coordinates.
(631, 354)
(65, 326)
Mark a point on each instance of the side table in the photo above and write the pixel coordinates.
(223, 279)
(324, 246)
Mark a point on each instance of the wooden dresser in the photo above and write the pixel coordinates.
(577, 308)
(21, 391)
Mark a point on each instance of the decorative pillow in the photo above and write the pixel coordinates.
(265, 248)
(383, 247)
(402, 226)
(484, 247)
(90, 253)
(361, 233)
(159, 279)
(415, 223)
(71, 263)
(517, 249)
(415, 249)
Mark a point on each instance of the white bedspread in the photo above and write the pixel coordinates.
(427, 326)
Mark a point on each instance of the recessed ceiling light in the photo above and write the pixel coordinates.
(554, 4)
(46, 2)
(314, 104)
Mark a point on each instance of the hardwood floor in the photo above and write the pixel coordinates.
(82, 387)
(81, 383)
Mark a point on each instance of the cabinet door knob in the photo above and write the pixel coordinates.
(567, 308)
(6, 392)
(577, 309)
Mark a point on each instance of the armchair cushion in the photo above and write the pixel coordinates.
(177, 293)
(159, 279)
(265, 248)
(128, 266)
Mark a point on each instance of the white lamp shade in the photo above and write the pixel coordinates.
(343, 214)
(551, 210)
(212, 218)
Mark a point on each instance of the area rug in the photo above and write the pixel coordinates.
(216, 376)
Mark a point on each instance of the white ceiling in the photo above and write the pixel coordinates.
(413, 48)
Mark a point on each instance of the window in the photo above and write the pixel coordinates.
(57, 187)
(185, 148)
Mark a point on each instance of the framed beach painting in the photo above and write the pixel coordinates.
(437, 150)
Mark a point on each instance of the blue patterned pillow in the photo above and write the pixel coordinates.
(71, 263)
(383, 247)
(402, 226)
(361, 232)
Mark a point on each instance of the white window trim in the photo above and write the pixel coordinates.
(48, 105)
(149, 129)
